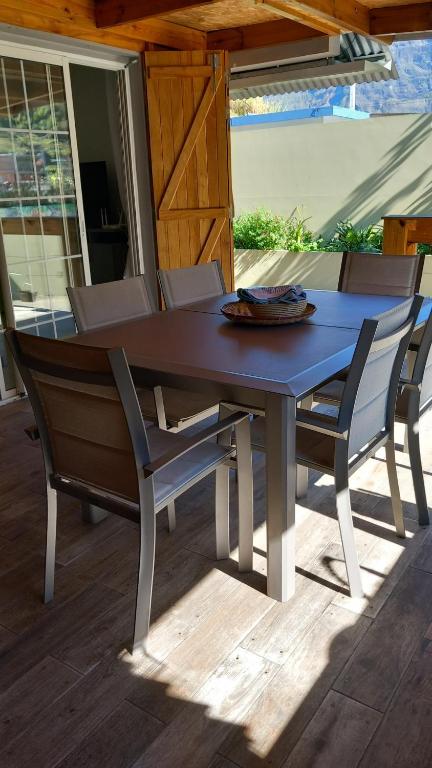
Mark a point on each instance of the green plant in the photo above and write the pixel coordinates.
(299, 236)
(259, 229)
(348, 237)
(264, 230)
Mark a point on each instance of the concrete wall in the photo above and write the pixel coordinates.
(357, 169)
(312, 270)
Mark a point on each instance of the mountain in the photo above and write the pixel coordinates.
(412, 92)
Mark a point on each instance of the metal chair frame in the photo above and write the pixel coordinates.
(415, 411)
(339, 428)
(117, 374)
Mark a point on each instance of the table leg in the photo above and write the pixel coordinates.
(281, 487)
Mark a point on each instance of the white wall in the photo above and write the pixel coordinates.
(357, 169)
(312, 270)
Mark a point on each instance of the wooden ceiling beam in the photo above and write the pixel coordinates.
(401, 19)
(327, 16)
(110, 13)
(259, 35)
(76, 19)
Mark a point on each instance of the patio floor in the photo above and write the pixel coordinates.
(233, 678)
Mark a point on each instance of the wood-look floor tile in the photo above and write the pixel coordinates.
(337, 735)
(374, 671)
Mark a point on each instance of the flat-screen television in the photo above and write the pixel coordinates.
(94, 185)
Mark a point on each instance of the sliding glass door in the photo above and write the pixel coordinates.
(43, 247)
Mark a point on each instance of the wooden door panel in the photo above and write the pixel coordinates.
(189, 150)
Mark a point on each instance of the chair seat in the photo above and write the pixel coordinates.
(180, 406)
(331, 393)
(198, 461)
(312, 448)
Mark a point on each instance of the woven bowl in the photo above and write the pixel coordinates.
(279, 309)
(240, 312)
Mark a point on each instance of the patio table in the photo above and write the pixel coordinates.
(264, 368)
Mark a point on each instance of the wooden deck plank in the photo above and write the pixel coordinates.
(64, 725)
(279, 716)
(110, 745)
(217, 709)
(404, 736)
(301, 692)
(32, 693)
(51, 630)
(337, 735)
(377, 665)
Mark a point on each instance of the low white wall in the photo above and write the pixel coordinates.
(312, 269)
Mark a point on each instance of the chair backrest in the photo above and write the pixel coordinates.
(95, 306)
(190, 284)
(422, 372)
(378, 273)
(369, 396)
(87, 413)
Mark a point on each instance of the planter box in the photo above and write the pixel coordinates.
(313, 269)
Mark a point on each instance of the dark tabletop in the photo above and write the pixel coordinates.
(335, 308)
(199, 343)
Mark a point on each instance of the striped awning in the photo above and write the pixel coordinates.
(346, 60)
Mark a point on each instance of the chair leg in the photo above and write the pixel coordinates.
(302, 479)
(222, 513)
(394, 489)
(162, 424)
(245, 495)
(343, 505)
(417, 473)
(50, 552)
(171, 516)
(222, 497)
(302, 482)
(145, 578)
(410, 363)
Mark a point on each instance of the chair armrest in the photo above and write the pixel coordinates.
(193, 442)
(320, 422)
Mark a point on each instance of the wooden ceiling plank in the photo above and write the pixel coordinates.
(77, 20)
(110, 13)
(328, 16)
(401, 19)
(259, 35)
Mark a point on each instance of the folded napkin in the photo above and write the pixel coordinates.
(282, 294)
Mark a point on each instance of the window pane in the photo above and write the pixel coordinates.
(38, 97)
(15, 93)
(59, 98)
(8, 177)
(38, 209)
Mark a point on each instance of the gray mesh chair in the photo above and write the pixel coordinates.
(378, 273)
(190, 284)
(413, 401)
(96, 306)
(339, 445)
(96, 448)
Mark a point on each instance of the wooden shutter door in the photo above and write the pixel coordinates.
(187, 98)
